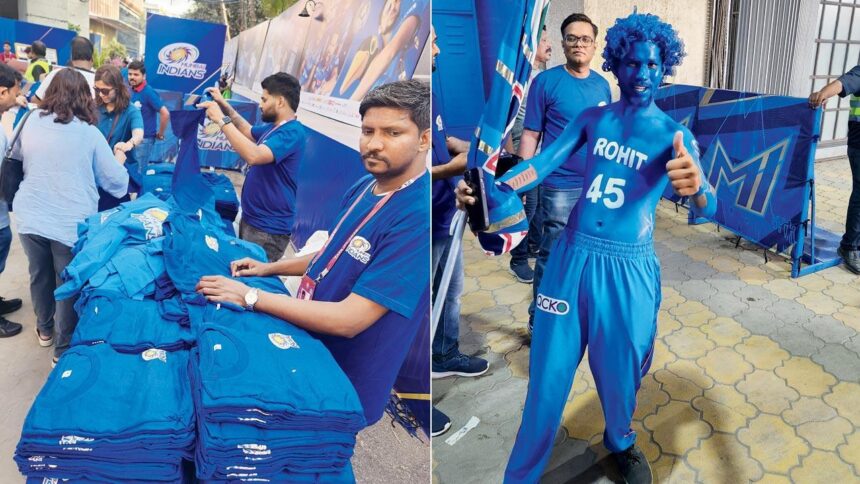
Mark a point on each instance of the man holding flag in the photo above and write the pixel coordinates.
(602, 284)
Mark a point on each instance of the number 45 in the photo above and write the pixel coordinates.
(613, 189)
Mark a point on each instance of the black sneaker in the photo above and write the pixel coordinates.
(8, 328)
(9, 305)
(523, 273)
(460, 365)
(440, 422)
(851, 259)
(633, 466)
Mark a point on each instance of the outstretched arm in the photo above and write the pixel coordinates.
(529, 173)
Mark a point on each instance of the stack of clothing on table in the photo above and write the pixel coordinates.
(105, 416)
(161, 384)
(272, 403)
(268, 403)
(157, 180)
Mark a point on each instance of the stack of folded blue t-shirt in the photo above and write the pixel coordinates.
(109, 416)
(271, 397)
(160, 384)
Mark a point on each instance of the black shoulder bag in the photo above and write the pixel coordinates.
(12, 170)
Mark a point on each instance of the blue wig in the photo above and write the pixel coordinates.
(642, 27)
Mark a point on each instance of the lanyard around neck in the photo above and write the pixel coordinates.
(376, 208)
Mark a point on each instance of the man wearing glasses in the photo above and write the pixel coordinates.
(556, 97)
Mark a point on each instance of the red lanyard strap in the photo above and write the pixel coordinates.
(376, 208)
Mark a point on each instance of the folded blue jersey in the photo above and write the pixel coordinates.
(103, 234)
(251, 474)
(193, 250)
(95, 392)
(131, 271)
(271, 374)
(129, 326)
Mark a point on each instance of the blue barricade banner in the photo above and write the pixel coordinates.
(183, 55)
(757, 151)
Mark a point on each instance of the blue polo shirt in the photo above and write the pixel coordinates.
(555, 99)
(149, 103)
(269, 192)
(388, 262)
(128, 120)
(444, 204)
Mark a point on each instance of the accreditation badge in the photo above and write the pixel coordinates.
(306, 288)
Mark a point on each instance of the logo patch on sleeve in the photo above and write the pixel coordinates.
(283, 341)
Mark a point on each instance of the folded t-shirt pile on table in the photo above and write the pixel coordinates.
(157, 180)
(161, 385)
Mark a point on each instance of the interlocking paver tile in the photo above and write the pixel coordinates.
(724, 408)
(850, 451)
(806, 376)
(845, 398)
(721, 458)
(823, 467)
(773, 443)
(725, 331)
(762, 352)
(677, 427)
(767, 391)
(725, 365)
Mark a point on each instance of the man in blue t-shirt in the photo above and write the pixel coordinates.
(556, 97)
(365, 293)
(10, 89)
(273, 151)
(149, 102)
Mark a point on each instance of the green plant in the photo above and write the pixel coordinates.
(110, 50)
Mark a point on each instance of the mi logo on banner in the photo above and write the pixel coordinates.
(755, 178)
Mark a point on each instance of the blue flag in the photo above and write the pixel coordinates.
(508, 223)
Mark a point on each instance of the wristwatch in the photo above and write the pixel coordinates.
(251, 298)
(225, 121)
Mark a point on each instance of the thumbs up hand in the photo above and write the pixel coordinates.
(682, 170)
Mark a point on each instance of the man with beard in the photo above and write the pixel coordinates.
(365, 293)
(149, 102)
(273, 150)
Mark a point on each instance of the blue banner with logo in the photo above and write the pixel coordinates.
(215, 149)
(757, 152)
(183, 55)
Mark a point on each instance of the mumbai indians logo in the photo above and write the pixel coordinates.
(212, 140)
(152, 220)
(283, 341)
(177, 60)
(359, 248)
(212, 243)
(154, 354)
(552, 306)
(754, 178)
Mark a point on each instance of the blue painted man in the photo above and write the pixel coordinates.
(556, 97)
(602, 283)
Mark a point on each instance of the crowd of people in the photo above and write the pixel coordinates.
(85, 136)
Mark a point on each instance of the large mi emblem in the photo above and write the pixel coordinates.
(755, 178)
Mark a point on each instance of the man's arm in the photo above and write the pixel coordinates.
(383, 59)
(248, 150)
(528, 144)
(164, 119)
(346, 318)
(527, 174)
(848, 83)
(453, 168)
(296, 266)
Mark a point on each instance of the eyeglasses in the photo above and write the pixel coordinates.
(103, 92)
(573, 40)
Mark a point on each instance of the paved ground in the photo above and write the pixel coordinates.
(756, 375)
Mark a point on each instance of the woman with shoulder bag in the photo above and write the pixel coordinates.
(65, 159)
(121, 124)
